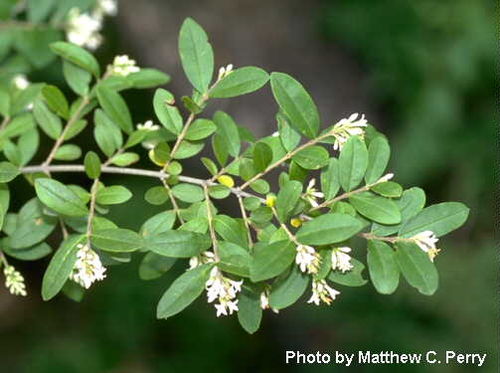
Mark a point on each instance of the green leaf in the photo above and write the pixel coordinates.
(153, 266)
(239, 82)
(158, 223)
(441, 219)
(76, 55)
(115, 107)
(196, 54)
(270, 260)
(60, 267)
(59, 197)
(92, 165)
(35, 252)
(48, 121)
(287, 198)
(288, 136)
(312, 158)
(107, 135)
(200, 129)
(330, 179)
(249, 310)
(288, 288)
(383, 268)
(354, 277)
(417, 268)
(75, 128)
(378, 157)
(183, 291)
(231, 230)
(68, 152)
(77, 78)
(379, 209)
(167, 113)
(188, 192)
(38, 10)
(31, 231)
(18, 125)
(234, 259)
(113, 195)
(219, 191)
(157, 195)
(296, 103)
(329, 228)
(148, 78)
(33, 43)
(8, 172)
(177, 243)
(388, 189)
(117, 240)
(262, 156)
(260, 186)
(227, 131)
(125, 159)
(353, 161)
(188, 149)
(55, 100)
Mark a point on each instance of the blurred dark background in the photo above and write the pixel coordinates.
(422, 72)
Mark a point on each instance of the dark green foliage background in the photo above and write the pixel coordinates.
(430, 66)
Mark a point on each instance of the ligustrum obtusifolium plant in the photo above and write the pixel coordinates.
(332, 198)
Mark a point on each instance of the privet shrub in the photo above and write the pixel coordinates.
(333, 197)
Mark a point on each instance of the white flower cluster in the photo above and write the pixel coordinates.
(347, 127)
(308, 259)
(312, 194)
(123, 66)
(341, 259)
(20, 82)
(427, 240)
(83, 29)
(88, 267)
(322, 292)
(224, 290)
(14, 281)
(225, 71)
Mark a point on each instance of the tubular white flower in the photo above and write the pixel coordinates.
(123, 66)
(347, 127)
(225, 71)
(427, 240)
(322, 292)
(204, 258)
(14, 281)
(311, 194)
(341, 260)
(385, 178)
(224, 290)
(20, 82)
(83, 29)
(307, 259)
(148, 126)
(264, 302)
(88, 267)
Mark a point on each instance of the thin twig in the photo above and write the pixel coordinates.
(213, 236)
(175, 206)
(93, 198)
(245, 220)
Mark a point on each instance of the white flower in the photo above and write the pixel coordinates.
(341, 260)
(83, 29)
(20, 82)
(14, 281)
(204, 258)
(88, 267)
(224, 290)
(322, 292)
(148, 126)
(275, 134)
(107, 7)
(123, 66)
(264, 302)
(385, 178)
(427, 240)
(312, 194)
(225, 71)
(348, 127)
(307, 259)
